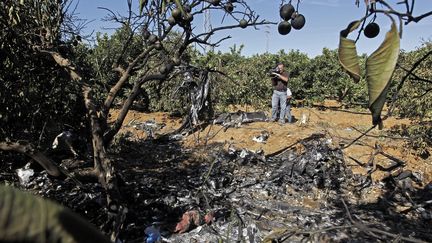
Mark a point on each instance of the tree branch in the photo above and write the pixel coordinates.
(115, 127)
(416, 77)
(63, 62)
(29, 150)
(206, 36)
(402, 81)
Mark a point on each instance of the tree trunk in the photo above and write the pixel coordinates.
(102, 164)
(104, 167)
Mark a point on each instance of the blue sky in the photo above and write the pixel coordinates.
(324, 20)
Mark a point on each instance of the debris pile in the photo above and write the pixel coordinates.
(259, 194)
(236, 119)
(304, 192)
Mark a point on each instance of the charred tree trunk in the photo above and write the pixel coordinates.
(102, 164)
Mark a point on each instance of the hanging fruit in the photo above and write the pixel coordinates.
(371, 30)
(176, 13)
(229, 7)
(188, 17)
(243, 23)
(187, 8)
(284, 27)
(216, 2)
(286, 11)
(171, 21)
(298, 21)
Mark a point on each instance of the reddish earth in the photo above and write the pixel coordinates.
(340, 125)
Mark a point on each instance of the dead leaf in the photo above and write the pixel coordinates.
(379, 70)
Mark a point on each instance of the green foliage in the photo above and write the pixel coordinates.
(420, 137)
(246, 80)
(414, 99)
(323, 78)
(35, 93)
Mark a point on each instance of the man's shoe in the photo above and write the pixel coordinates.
(281, 123)
(272, 120)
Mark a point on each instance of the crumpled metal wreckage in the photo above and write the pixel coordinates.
(236, 119)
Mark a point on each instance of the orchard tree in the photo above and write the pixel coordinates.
(43, 29)
(36, 94)
(323, 78)
(414, 93)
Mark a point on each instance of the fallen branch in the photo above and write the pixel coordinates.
(371, 231)
(313, 136)
(359, 137)
(421, 205)
(29, 150)
(379, 136)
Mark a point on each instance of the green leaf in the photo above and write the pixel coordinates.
(379, 69)
(347, 52)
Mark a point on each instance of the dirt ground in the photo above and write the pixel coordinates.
(341, 125)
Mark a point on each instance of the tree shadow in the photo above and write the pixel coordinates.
(401, 211)
(159, 180)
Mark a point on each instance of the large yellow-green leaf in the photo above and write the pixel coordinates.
(347, 52)
(28, 218)
(379, 69)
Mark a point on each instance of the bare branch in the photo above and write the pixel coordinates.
(416, 77)
(109, 135)
(28, 149)
(402, 81)
(204, 37)
(418, 18)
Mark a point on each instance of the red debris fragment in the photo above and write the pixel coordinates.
(190, 219)
(209, 218)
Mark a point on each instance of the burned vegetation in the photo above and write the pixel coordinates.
(216, 193)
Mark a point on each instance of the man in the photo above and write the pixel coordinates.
(279, 97)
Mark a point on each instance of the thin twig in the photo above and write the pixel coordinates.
(402, 81)
(380, 136)
(41, 134)
(207, 135)
(359, 137)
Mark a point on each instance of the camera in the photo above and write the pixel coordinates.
(275, 70)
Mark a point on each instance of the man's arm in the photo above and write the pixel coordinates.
(282, 77)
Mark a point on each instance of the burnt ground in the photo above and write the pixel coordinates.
(297, 186)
